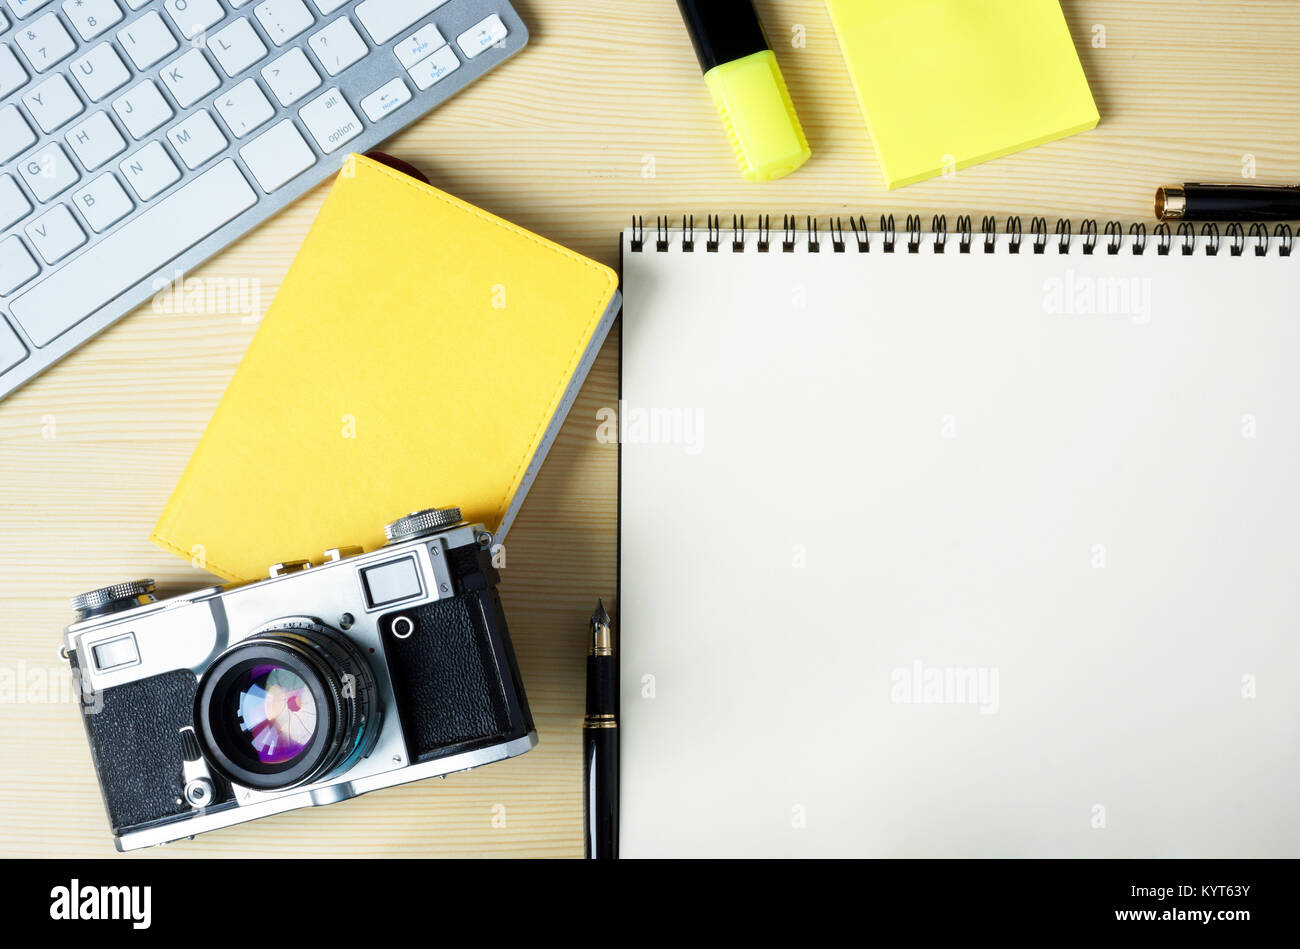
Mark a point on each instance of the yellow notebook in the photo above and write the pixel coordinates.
(949, 83)
(419, 353)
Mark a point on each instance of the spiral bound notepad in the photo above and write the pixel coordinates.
(959, 540)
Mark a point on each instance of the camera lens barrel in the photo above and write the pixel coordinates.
(286, 707)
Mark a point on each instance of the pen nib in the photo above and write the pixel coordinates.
(600, 617)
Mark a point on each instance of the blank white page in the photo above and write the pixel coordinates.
(959, 555)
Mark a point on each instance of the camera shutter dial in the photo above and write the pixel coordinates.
(428, 521)
(112, 599)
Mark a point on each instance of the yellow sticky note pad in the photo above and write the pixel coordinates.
(420, 353)
(946, 84)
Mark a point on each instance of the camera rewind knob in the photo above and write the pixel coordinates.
(111, 599)
(428, 521)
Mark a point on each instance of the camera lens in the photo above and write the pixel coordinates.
(276, 711)
(287, 707)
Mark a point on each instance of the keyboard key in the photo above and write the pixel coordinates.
(102, 203)
(95, 141)
(244, 108)
(278, 156)
(12, 74)
(331, 121)
(150, 171)
(389, 97)
(90, 18)
(142, 109)
(49, 172)
(192, 17)
(52, 103)
(291, 76)
(338, 46)
(15, 133)
(55, 234)
(147, 40)
(197, 139)
(45, 42)
(12, 350)
(16, 265)
(25, 8)
(236, 47)
(384, 19)
(432, 68)
(418, 45)
(100, 72)
(141, 247)
(483, 35)
(283, 19)
(326, 7)
(190, 78)
(13, 203)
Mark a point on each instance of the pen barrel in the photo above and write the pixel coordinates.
(600, 792)
(1247, 203)
(600, 685)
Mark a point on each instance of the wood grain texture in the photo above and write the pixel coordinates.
(557, 140)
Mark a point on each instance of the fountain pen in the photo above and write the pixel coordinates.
(1200, 202)
(600, 743)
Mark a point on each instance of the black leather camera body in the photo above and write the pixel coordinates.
(320, 683)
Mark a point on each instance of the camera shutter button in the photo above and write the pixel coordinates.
(111, 599)
(428, 521)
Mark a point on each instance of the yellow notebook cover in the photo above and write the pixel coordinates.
(946, 84)
(420, 352)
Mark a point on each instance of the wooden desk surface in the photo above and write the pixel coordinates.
(558, 140)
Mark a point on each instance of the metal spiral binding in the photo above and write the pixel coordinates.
(1138, 234)
(859, 225)
(1164, 239)
(837, 235)
(1038, 227)
(1113, 236)
(939, 228)
(1088, 231)
(887, 231)
(1062, 235)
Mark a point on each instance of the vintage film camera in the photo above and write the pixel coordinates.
(313, 686)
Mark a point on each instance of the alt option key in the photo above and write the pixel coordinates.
(330, 120)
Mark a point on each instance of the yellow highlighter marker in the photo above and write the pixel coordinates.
(742, 74)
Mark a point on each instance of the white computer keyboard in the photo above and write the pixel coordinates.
(138, 137)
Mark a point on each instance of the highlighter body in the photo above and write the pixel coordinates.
(747, 87)
(758, 116)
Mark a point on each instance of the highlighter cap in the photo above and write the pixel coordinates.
(747, 87)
